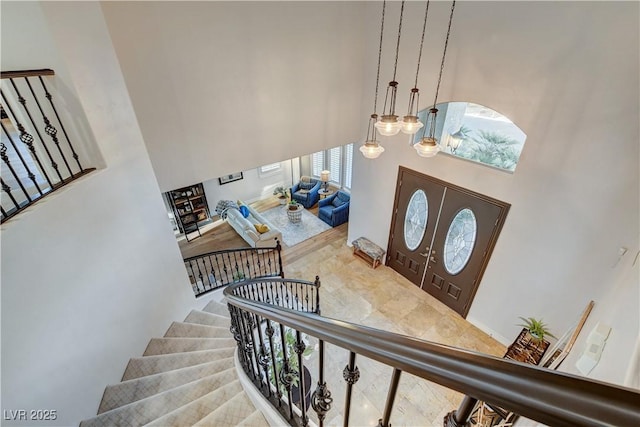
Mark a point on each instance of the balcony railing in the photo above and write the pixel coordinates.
(215, 270)
(271, 343)
(38, 156)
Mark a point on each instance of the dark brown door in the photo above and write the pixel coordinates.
(460, 246)
(461, 230)
(410, 238)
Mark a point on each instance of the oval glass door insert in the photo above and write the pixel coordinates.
(415, 220)
(461, 238)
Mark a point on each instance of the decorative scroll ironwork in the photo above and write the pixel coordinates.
(27, 166)
(321, 401)
(215, 270)
(351, 375)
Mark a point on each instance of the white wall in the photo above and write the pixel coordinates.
(92, 272)
(573, 89)
(253, 186)
(618, 309)
(221, 87)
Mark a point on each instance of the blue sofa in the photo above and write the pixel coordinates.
(334, 210)
(306, 191)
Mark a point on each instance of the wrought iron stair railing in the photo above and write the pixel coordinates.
(214, 270)
(540, 394)
(37, 154)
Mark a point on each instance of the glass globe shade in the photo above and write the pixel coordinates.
(410, 125)
(428, 147)
(371, 149)
(388, 125)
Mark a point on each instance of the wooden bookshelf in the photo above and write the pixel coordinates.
(189, 207)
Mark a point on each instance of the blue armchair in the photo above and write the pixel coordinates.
(306, 191)
(334, 210)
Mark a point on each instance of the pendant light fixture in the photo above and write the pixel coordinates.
(388, 125)
(410, 123)
(371, 148)
(428, 146)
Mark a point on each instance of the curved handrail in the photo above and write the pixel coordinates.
(298, 295)
(214, 270)
(551, 397)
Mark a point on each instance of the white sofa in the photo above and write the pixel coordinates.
(246, 229)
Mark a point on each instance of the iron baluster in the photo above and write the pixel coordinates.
(27, 139)
(23, 102)
(211, 274)
(262, 296)
(218, 267)
(321, 398)
(351, 375)
(285, 295)
(248, 263)
(302, 387)
(249, 344)
(5, 159)
(317, 291)
(279, 248)
(264, 357)
(236, 331)
(30, 174)
(227, 266)
(391, 397)
(49, 129)
(53, 107)
(243, 342)
(270, 293)
(253, 324)
(270, 332)
(7, 190)
(269, 263)
(199, 274)
(460, 417)
(286, 373)
(192, 276)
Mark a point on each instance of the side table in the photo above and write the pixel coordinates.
(324, 193)
(295, 216)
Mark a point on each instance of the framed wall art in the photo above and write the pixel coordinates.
(230, 178)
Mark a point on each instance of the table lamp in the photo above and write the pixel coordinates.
(324, 177)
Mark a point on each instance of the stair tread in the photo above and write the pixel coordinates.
(256, 419)
(197, 409)
(205, 318)
(149, 365)
(129, 391)
(217, 308)
(158, 346)
(146, 410)
(186, 330)
(230, 413)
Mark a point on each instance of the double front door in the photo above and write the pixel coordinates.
(442, 236)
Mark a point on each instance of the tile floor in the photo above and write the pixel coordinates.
(352, 291)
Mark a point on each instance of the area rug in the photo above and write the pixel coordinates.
(292, 234)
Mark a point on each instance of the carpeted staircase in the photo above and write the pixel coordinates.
(186, 378)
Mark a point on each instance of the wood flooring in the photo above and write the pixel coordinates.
(220, 235)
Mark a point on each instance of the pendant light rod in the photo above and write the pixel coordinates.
(424, 28)
(374, 115)
(444, 53)
(375, 100)
(428, 146)
(395, 66)
(371, 148)
(389, 125)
